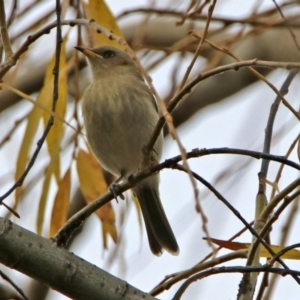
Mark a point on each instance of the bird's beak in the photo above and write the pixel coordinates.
(87, 52)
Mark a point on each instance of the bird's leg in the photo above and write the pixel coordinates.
(113, 188)
(152, 160)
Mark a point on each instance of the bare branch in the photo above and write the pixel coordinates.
(238, 269)
(4, 32)
(77, 220)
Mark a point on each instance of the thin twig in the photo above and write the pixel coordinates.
(287, 25)
(269, 129)
(278, 198)
(257, 74)
(282, 252)
(13, 13)
(19, 290)
(226, 21)
(276, 181)
(239, 216)
(39, 105)
(266, 228)
(218, 70)
(46, 30)
(250, 279)
(171, 279)
(176, 277)
(286, 229)
(237, 269)
(172, 131)
(196, 54)
(4, 32)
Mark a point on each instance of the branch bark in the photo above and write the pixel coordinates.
(63, 271)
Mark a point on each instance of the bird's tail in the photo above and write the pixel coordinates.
(160, 234)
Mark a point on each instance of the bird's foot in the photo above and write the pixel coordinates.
(147, 151)
(113, 188)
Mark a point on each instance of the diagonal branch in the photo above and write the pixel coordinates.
(78, 219)
(63, 271)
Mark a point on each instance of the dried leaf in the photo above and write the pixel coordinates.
(93, 185)
(37, 104)
(228, 244)
(53, 138)
(291, 254)
(44, 99)
(61, 204)
(193, 3)
(23, 157)
(99, 11)
(57, 131)
(43, 199)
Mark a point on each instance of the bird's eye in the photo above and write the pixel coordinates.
(108, 54)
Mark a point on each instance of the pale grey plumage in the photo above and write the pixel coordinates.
(119, 115)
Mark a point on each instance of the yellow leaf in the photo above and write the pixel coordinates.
(30, 132)
(91, 179)
(44, 99)
(43, 199)
(53, 138)
(291, 254)
(93, 185)
(107, 216)
(37, 104)
(61, 204)
(56, 133)
(99, 11)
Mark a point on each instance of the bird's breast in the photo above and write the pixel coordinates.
(119, 117)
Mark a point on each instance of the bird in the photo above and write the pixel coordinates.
(120, 114)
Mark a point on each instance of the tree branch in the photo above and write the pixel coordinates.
(77, 220)
(63, 271)
(4, 33)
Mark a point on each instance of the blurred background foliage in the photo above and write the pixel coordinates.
(65, 175)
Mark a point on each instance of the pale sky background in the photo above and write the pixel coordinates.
(237, 122)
